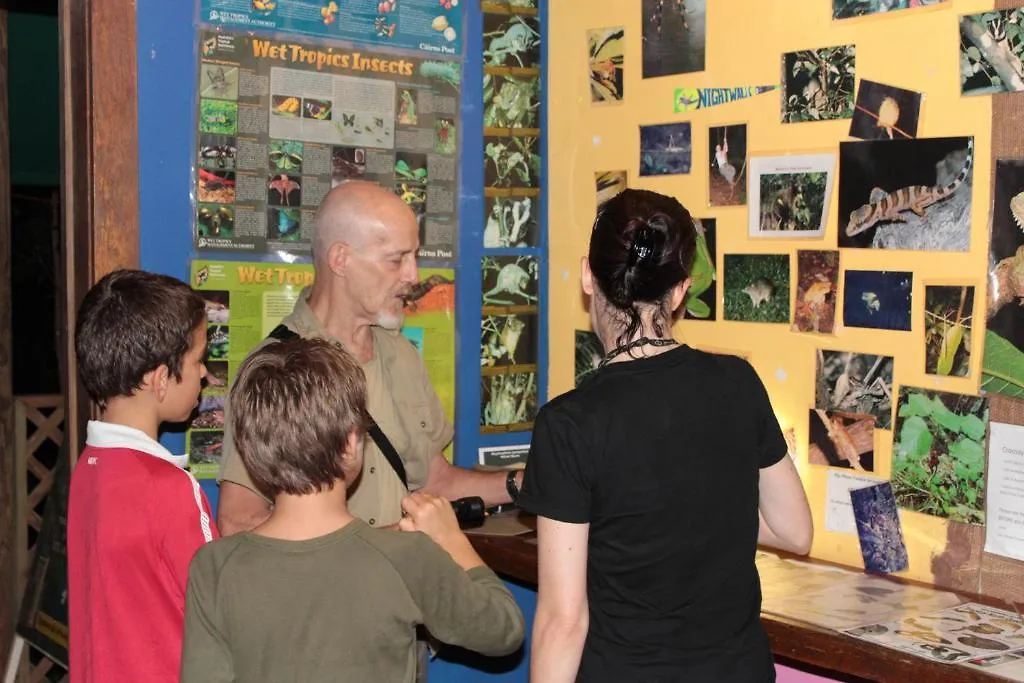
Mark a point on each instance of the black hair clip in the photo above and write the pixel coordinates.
(643, 245)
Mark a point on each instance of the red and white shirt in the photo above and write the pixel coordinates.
(135, 519)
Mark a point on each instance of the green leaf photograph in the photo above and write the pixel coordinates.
(938, 455)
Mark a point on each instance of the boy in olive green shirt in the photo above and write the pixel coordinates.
(315, 594)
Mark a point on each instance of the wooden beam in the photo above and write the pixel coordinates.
(8, 549)
(101, 174)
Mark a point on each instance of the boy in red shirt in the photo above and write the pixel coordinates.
(135, 514)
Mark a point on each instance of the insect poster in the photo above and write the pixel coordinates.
(280, 122)
(1002, 369)
(512, 115)
(433, 26)
(244, 302)
(508, 343)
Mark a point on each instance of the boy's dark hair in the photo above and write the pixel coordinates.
(130, 323)
(292, 409)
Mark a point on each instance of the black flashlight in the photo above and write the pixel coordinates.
(469, 511)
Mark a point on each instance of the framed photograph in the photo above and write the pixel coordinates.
(789, 195)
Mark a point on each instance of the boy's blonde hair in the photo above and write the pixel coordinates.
(292, 408)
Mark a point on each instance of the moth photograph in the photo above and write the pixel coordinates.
(885, 112)
(906, 194)
(878, 299)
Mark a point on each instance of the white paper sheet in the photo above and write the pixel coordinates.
(1004, 532)
(838, 508)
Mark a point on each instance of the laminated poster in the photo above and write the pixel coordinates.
(280, 122)
(431, 26)
(245, 301)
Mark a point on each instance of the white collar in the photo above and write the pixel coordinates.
(109, 435)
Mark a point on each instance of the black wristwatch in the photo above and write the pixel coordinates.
(511, 486)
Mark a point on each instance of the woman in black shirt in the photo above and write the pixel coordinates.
(654, 481)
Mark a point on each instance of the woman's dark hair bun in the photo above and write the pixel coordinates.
(642, 245)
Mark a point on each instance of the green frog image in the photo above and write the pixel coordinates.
(702, 274)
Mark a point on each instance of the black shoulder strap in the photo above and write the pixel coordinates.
(283, 333)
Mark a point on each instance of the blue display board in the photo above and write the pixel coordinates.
(433, 26)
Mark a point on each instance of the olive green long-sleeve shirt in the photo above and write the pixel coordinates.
(342, 607)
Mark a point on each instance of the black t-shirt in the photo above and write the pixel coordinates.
(661, 457)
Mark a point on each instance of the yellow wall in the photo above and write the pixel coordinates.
(916, 49)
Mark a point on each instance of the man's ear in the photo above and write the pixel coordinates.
(337, 258)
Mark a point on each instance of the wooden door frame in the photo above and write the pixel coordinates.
(100, 183)
(100, 212)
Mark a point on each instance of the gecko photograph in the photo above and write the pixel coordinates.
(938, 454)
(665, 149)
(845, 9)
(851, 382)
(817, 284)
(588, 354)
(508, 340)
(906, 194)
(948, 316)
(1002, 366)
(607, 184)
(878, 299)
(700, 298)
(818, 85)
(991, 50)
(839, 439)
(885, 112)
(673, 37)
(606, 62)
(756, 288)
(727, 152)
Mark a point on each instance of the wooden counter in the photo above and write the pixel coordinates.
(831, 652)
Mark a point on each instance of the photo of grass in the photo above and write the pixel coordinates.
(948, 315)
(756, 287)
(855, 383)
(991, 50)
(938, 454)
(818, 85)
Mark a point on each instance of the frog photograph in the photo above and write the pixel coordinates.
(756, 288)
(700, 297)
(817, 281)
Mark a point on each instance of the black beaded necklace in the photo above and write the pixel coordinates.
(636, 343)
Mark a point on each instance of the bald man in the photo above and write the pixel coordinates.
(364, 255)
